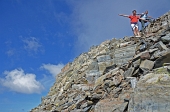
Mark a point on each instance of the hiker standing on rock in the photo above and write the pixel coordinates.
(134, 22)
(144, 19)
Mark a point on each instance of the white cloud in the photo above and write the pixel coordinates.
(53, 69)
(17, 80)
(10, 52)
(32, 44)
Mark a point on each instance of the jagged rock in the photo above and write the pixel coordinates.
(147, 64)
(109, 83)
(143, 47)
(129, 72)
(103, 58)
(91, 76)
(164, 59)
(166, 38)
(108, 105)
(158, 54)
(123, 55)
(145, 55)
(96, 96)
(117, 79)
(66, 67)
(136, 63)
(67, 85)
(117, 76)
(163, 46)
(93, 66)
(152, 50)
(99, 81)
(152, 94)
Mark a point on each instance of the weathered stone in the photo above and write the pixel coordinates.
(147, 64)
(86, 109)
(102, 67)
(110, 68)
(99, 81)
(117, 79)
(72, 107)
(109, 83)
(117, 91)
(82, 87)
(136, 63)
(145, 55)
(166, 38)
(136, 57)
(124, 44)
(103, 58)
(66, 67)
(125, 96)
(158, 54)
(123, 55)
(151, 94)
(96, 96)
(93, 66)
(91, 76)
(108, 105)
(67, 85)
(153, 50)
(84, 105)
(164, 59)
(142, 47)
(129, 72)
(162, 70)
(163, 46)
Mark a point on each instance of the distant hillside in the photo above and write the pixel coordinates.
(131, 74)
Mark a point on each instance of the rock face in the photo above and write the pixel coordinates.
(126, 75)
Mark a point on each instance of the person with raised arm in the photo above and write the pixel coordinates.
(134, 22)
(144, 19)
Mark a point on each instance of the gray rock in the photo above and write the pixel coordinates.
(163, 46)
(147, 64)
(129, 72)
(67, 85)
(136, 63)
(103, 58)
(93, 66)
(165, 38)
(86, 109)
(145, 55)
(164, 59)
(123, 55)
(151, 94)
(108, 105)
(92, 75)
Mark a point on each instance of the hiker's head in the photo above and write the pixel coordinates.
(146, 12)
(134, 12)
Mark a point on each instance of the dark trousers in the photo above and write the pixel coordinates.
(142, 25)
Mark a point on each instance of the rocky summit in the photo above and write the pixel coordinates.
(131, 74)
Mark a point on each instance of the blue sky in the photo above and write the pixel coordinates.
(38, 37)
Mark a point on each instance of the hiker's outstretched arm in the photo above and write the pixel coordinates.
(143, 19)
(123, 15)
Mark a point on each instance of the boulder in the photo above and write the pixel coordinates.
(152, 94)
(147, 64)
(108, 105)
(163, 59)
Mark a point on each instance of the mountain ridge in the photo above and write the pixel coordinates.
(119, 75)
